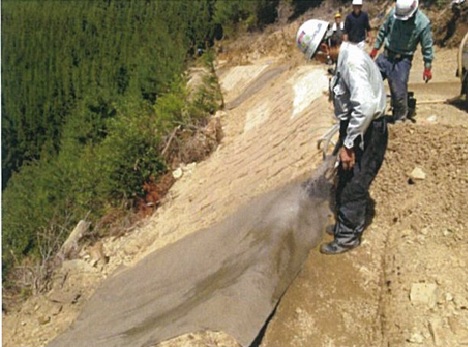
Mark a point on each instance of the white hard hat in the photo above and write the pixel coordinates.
(357, 2)
(404, 9)
(310, 35)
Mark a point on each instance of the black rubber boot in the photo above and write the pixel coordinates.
(336, 248)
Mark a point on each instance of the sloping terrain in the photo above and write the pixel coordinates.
(406, 285)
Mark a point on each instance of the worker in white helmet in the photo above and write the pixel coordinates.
(357, 27)
(359, 102)
(404, 28)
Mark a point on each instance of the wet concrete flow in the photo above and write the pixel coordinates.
(228, 278)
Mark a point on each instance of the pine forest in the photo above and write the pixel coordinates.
(91, 90)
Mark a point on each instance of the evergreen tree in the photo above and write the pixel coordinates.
(89, 90)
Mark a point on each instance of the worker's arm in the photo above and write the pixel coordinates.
(347, 28)
(427, 46)
(383, 31)
(362, 102)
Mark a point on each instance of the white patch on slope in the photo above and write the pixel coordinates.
(241, 75)
(309, 83)
(256, 116)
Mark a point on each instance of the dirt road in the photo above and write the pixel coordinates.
(407, 285)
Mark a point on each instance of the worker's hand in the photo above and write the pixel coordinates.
(347, 158)
(373, 53)
(427, 74)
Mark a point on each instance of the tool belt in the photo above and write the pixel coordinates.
(396, 56)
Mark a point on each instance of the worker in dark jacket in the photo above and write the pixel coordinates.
(403, 29)
(357, 27)
(359, 101)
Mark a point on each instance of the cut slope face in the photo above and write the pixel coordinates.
(268, 143)
(243, 265)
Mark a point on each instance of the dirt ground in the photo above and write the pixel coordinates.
(406, 285)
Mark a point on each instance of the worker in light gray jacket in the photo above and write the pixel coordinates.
(403, 29)
(359, 101)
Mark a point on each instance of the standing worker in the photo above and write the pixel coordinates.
(357, 27)
(359, 101)
(338, 25)
(337, 28)
(403, 28)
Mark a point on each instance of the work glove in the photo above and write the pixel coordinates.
(373, 53)
(427, 74)
(347, 158)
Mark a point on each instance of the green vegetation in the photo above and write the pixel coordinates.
(243, 15)
(90, 91)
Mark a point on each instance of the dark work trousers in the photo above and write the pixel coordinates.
(397, 71)
(352, 193)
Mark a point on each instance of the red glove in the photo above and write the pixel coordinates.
(373, 53)
(427, 74)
